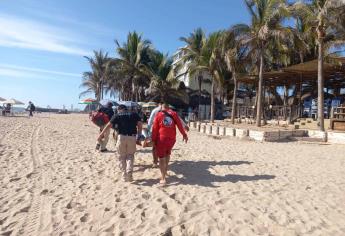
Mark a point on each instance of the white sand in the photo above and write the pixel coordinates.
(53, 182)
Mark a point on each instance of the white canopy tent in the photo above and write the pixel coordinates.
(12, 101)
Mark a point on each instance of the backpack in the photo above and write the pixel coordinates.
(168, 122)
(99, 118)
(33, 108)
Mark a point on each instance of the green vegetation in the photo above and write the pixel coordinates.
(140, 72)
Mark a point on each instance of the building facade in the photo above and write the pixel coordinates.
(191, 82)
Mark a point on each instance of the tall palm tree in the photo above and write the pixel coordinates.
(164, 84)
(234, 55)
(211, 61)
(323, 17)
(133, 54)
(95, 80)
(266, 24)
(192, 52)
(207, 59)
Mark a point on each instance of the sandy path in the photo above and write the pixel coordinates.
(53, 182)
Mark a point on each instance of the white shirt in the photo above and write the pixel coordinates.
(152, 118)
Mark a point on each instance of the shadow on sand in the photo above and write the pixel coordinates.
(198, 173)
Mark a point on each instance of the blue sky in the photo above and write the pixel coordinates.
(42, 43)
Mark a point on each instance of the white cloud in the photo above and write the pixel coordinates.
(14, 71)
(29, 34)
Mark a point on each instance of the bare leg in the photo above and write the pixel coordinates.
(167, 159)
(162, 167)
(155, 158)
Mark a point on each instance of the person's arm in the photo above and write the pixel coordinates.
(139, 128)
(180, 127)
(106, 128)
(151, 119)
(185, 126)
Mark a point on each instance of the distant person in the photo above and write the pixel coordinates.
(129, 126)
(164, 137)
(149, 128)
(108, 110)
(6, 109)
(31, 108)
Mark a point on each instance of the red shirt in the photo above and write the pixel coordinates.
(165, 126)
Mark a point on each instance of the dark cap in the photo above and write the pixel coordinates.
(122, 107)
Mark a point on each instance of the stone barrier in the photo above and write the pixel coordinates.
(336, 138)
(241, 133)
(257, 135)
(215, 130)
(230, 132)
(222, 131)
(318, 134)
(209, 129)
(267, 136)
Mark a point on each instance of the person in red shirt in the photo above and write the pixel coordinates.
(164, 137)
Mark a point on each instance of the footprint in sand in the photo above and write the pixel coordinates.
(146, 196)
(44, 192)
(84, 218)
(14, 179)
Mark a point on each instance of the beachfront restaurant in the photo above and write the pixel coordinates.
(298, 105)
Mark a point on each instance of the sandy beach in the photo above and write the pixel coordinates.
(53, 182)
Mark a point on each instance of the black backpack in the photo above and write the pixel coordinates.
(33, 108)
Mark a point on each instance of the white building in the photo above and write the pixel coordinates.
(191, 82)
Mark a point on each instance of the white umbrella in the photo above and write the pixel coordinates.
(105, 102)
(128, 104)
(13, 101)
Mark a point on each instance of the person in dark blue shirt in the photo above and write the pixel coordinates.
(129, 127)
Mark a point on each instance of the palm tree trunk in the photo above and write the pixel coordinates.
(233, 109)
(320, 85)
(285, 101)
(133, 90)
(212, 101)
(199, 83)
(259, 95)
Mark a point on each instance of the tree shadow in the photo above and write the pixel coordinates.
(198, 173)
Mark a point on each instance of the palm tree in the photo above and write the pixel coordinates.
(164, 84)
(234, 55)
(211, 61)
(132, 56)
(323, 17)
(207, 59)
(266, 25)
(95, 80)
(192, 52)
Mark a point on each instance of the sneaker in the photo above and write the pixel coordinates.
(98, 146)
(104, 150)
